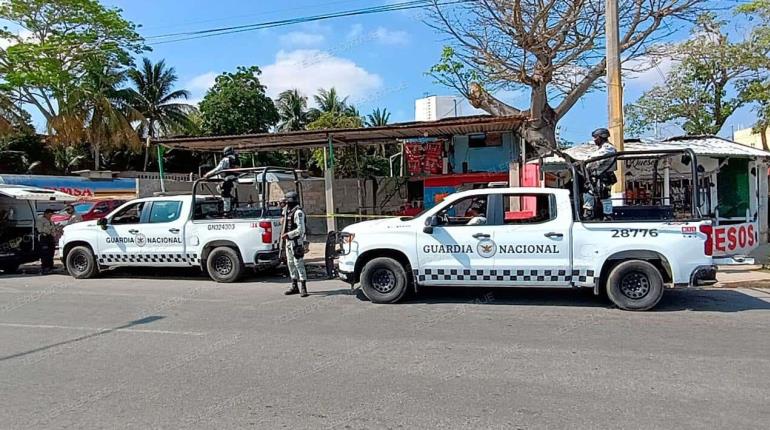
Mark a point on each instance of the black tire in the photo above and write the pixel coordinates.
(224, 265)
(81, 263)
(635, 285)
(10, 268)
(383, 280)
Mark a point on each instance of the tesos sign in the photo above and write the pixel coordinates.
(734, 239)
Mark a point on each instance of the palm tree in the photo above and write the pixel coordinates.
(157, 101)
(378, 118)
(328, 101)
(97, 112)
(292, 109)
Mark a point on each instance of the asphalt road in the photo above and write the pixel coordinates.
(169, 349)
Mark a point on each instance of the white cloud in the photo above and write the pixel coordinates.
(390, 37)
(355, 31)
(201, 83)
(647, 71)
(311, 69)
(301, 38)
(24, 35)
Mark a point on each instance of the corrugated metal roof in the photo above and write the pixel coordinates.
(372, 135)
(702, 145)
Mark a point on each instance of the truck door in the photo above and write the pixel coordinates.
(120, 244)
(164, 234)
(532, 240)
(459, 251)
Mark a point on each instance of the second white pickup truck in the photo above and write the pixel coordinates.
(184, 231)
(524, 237)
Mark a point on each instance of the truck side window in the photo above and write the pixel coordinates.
(468, 211)
(528, 208)
(165, 211)
(131, 214)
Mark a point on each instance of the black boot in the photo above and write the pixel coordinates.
(293, 289)
(303, 289)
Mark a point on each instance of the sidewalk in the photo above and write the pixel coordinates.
(743, 277)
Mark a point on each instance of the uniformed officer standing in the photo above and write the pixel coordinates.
(294, 235)
(229, 161)
(46, 230)
(601, 175)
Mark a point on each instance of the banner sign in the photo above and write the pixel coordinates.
(424, 158)
(735, 239)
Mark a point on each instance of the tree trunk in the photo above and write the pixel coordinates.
(97, 156)
(150, 134)
(763, 137)
(539, 131)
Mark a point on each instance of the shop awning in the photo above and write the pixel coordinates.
(364, 136)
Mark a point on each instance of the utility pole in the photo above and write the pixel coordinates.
(615, 93)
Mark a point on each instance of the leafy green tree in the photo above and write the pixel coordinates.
(349, 161)
(292, 109)
(158, 102)
(757, 90)
(237, 104)
(57, 47)
(378, 118)
(698, 92)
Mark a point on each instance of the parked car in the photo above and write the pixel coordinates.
(90, 210)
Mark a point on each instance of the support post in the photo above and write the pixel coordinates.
(331, 222)
(667, 183)
(615, 94)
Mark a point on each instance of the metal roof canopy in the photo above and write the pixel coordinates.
(709, 146)
(348, 136)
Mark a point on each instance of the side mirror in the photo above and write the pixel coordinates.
(431, 222)
(102, 222)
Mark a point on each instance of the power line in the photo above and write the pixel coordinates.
(199, 34)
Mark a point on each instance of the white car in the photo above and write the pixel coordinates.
(524, 237)
(170, 231)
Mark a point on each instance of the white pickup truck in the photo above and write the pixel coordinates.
(184, 231)
(524, 237)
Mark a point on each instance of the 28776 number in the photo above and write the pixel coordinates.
(635, 232)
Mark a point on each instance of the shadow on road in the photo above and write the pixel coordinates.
(710, 300)
(146, 320)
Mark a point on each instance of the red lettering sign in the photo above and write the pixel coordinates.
(689, 229)
(734, 239)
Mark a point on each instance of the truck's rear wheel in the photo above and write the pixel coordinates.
(224, 264)
(383, 280)
(635, 285)
(81, 263)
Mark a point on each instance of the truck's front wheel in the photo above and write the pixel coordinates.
(635, 285)
(81, 263)
(224, 264)
(383, 280)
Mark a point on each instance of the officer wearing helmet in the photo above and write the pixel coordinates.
(294, 235)
(229, 161)
(601, 175)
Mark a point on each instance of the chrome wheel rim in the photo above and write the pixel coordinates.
(635, 285)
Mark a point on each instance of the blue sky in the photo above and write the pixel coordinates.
(380, 60)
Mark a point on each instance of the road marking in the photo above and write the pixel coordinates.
(98, 329)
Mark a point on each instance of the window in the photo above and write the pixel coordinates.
(165, 211)
(528, 208)
(101, 207)
(131, 214)
(468, 211)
